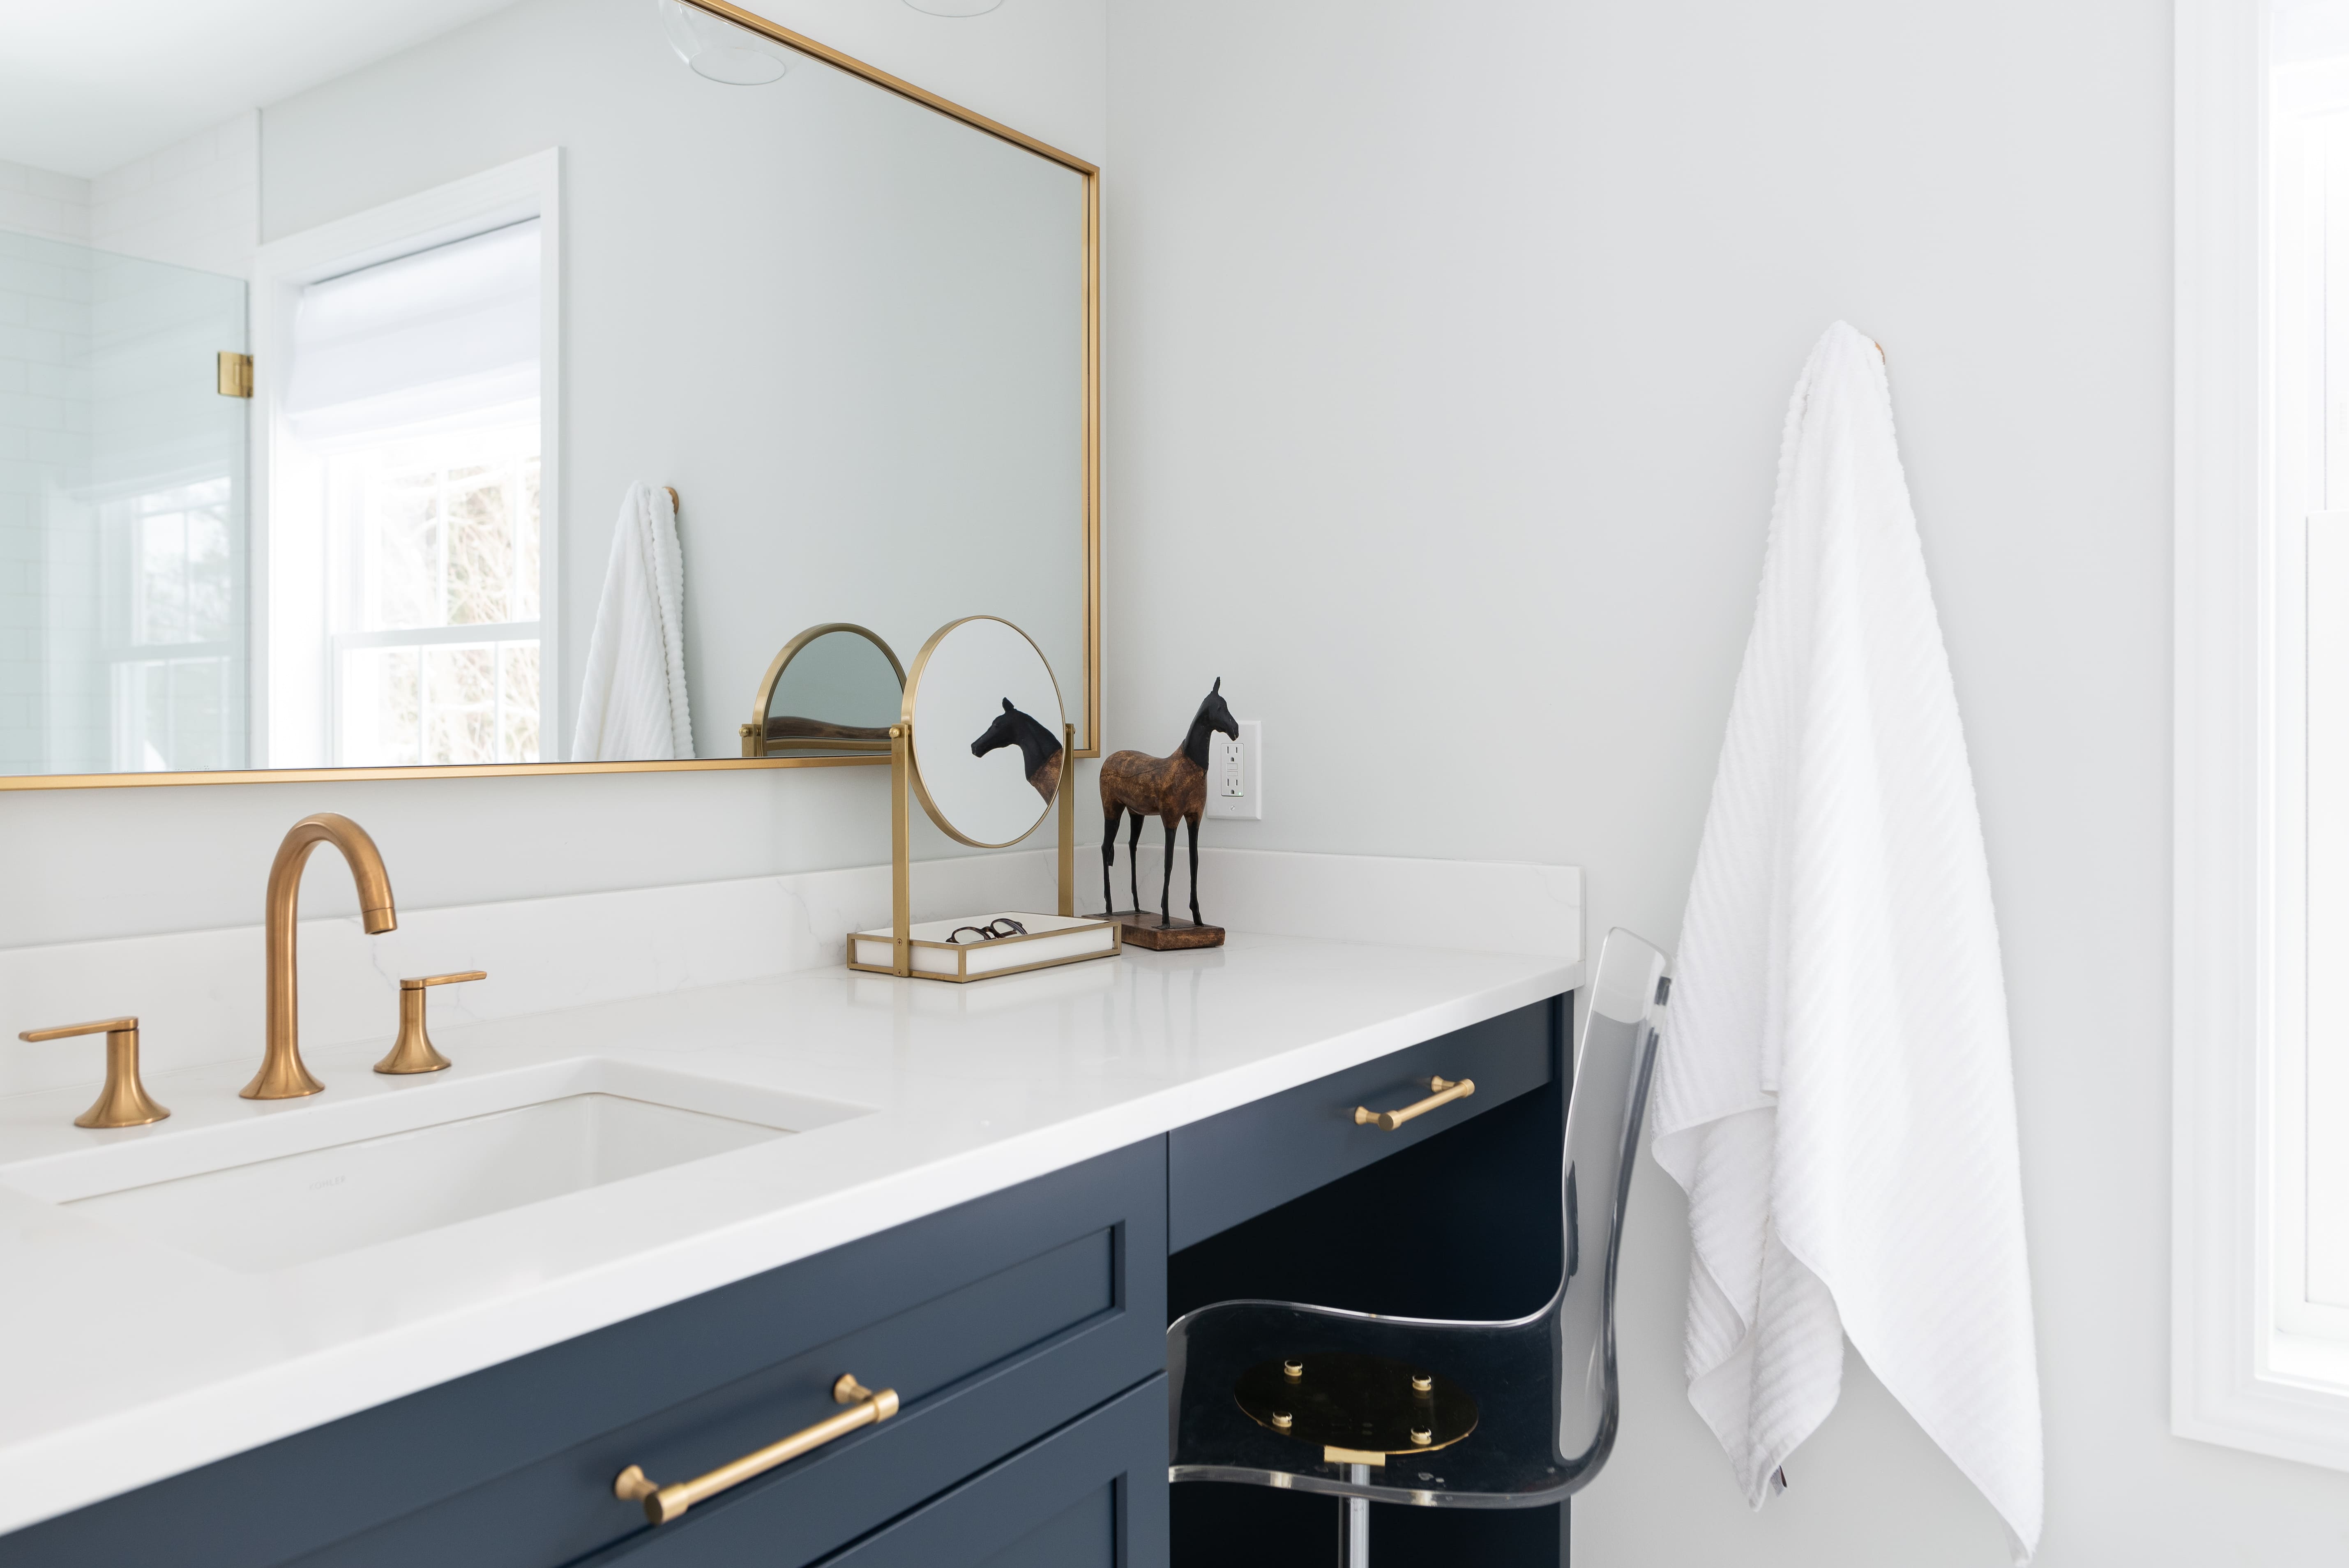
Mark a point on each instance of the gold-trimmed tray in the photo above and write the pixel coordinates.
(1051, 940)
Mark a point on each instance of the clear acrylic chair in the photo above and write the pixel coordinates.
(1432, 1411)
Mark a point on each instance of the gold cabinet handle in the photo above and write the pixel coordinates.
(124, 1102)
(1445, 1091)
(413, 1051)
(663, 1503)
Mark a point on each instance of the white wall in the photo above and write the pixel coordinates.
(105, 862)
(1450, 346)
(196, 202)
(42, 201)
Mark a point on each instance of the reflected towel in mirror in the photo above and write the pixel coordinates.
(632, 699)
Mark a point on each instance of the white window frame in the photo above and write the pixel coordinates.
(2242, 1372)
(343, 637)
(123, 520)
(528, 187)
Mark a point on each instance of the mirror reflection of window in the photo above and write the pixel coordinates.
(438, 534)
(176, 650)
(414, 389)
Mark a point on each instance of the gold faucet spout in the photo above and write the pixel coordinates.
(283, 1076)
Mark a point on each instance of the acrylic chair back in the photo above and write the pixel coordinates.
(1614, 1053)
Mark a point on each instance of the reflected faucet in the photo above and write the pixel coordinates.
(283, 1076)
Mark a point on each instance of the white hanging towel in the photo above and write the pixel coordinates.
(1835, 1091)
(632, 703)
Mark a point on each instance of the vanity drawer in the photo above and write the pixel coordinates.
(996, 1322)
(1090, 1495)
(1257, 1157)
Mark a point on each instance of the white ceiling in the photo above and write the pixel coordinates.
(87, 86)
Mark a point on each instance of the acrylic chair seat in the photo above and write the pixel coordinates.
(1543, 1387)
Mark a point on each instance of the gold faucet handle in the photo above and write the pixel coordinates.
(96, 1026)
(124, 1102)
(443, 978)
(413, 1051)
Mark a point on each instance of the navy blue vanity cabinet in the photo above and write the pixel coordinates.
(1092, 1494)
(1455, 1214)
(1254, 1157)
(1024, 1333)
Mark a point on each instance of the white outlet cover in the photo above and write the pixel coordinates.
(1248, 804)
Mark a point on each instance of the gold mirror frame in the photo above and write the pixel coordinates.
(913, 685)
(905, 778)
(754, 733)
(1091, 709)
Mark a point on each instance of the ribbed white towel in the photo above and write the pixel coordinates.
(632, 702)
(1834, 1090)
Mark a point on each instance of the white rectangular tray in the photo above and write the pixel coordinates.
(1051, 940)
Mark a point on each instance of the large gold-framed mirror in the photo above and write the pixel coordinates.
(668, 332)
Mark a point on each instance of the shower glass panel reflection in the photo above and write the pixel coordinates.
(123, 514)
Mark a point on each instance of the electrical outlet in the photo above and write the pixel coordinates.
(1235, 773)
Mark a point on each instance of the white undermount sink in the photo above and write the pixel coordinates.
(296, 1186)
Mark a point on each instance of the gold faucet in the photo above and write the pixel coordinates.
(124, 1102)
(282, 1074)
(413, 1051)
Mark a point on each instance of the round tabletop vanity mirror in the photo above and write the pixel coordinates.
(833, 690)
(986, 731)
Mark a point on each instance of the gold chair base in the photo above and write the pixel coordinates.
(1358, 1410)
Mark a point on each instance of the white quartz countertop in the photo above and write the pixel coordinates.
(129, 1360)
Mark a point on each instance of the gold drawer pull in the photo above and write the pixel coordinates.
(663, 1503)
(1446, 1091)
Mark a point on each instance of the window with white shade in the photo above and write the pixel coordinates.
(2308, 352)
(2260, 1186)
(411, 406)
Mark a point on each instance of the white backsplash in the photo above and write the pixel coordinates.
(1485, 906)
(198, 994)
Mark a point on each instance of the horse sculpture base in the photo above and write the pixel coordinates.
(1146, 928)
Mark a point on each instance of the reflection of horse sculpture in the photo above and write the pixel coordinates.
(1040, 748)
(1163, 787)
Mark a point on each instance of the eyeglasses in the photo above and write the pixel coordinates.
(1001, 926)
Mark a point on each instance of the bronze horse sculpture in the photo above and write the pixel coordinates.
(1040, 748)
(1165, 787)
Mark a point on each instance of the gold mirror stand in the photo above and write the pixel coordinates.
(1068, 820)
(901, 916)
(900, 902)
